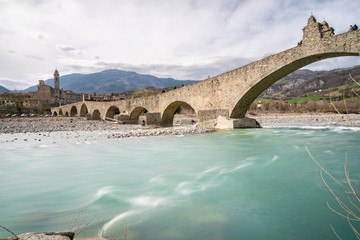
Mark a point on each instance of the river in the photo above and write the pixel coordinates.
(231, 184)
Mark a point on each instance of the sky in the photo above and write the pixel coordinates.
(182, 39)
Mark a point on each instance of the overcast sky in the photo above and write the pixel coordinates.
(183, 39)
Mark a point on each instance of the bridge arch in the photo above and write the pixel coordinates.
(83, 110)
(230, 94)
(110, 113)
(73, 111)
(66, 114)
(55, 113)
(243, 103)
(96, 115)
(136, 113)
(168, 115)
(61, 112)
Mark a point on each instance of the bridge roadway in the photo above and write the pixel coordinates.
(222, 101)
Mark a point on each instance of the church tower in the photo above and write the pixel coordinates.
(57, 83)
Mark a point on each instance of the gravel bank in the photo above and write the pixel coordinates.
(56, 128)
(318, 119)
(55, 124)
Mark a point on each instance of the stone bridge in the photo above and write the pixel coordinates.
(228, 96)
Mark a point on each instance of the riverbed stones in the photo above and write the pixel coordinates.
(80, 129)
(44, 236)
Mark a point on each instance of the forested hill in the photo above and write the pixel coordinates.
(304, 82)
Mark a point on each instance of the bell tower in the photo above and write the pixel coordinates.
(57, 83)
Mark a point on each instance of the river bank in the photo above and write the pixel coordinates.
(75, 124)
(317, 119)
(49, 130)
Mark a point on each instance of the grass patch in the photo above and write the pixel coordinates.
(262, 100)
(285, 81)
(348, 86)
(306, 99)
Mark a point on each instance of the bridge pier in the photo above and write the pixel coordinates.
(124, 118)
(218, 119)
(232, 123)
(153, 118)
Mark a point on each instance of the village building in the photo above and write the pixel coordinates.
(39, 101)
(55, 96)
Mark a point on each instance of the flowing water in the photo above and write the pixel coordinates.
(238, 184)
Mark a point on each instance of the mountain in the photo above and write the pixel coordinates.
(297, 84)
(3, 90)
(111, 81)
(303, 82)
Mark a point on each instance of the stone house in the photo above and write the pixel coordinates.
(55, 96)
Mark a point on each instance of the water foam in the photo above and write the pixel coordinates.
(251, 158)
(116, 219)
(158, 180)
(187, 188)
(147, 201)
(276, 157)
(209, 171)
(104, 191)
(329, 152)
(333, 128)
(240, 166)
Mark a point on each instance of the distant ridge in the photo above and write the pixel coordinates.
(111, 81)
(3, 89)
(296, 84)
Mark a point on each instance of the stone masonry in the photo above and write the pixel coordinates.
(229, 94)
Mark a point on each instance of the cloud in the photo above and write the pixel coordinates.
(187, 39)
(67, 49)
(35, 57)
(31, 2)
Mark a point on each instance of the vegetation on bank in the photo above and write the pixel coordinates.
(306, 104)
(345, 98)
(306, 99)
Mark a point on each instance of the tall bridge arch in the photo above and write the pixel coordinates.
(230, 94)
(244, 102)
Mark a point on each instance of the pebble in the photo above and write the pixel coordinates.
(68, 128)
(319, 119)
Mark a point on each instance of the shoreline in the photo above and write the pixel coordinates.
(50, 130)
(316, 119)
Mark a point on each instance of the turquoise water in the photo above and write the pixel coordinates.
(238, 184)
